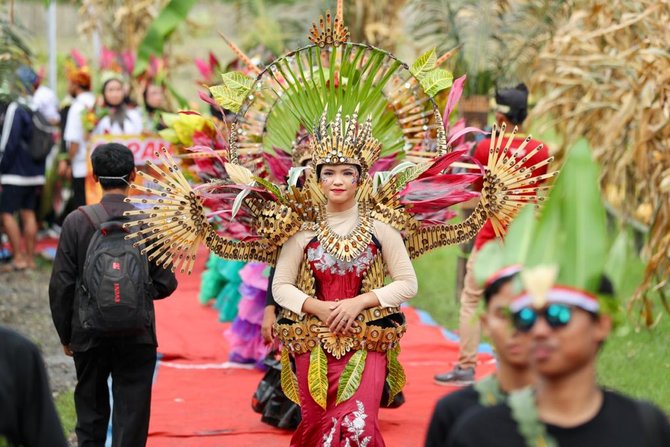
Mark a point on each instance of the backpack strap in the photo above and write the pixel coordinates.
(96, 214)
(7, 126)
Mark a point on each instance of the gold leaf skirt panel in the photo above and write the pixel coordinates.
(302, 334)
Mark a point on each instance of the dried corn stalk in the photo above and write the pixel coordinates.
(375, 23)
(605, 75)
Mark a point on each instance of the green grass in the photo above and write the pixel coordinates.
(65, 409)
(436, 273)
(636, 363)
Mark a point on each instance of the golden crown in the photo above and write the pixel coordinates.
(351, 143)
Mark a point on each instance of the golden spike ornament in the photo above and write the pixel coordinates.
(329, 33)
(172, 224)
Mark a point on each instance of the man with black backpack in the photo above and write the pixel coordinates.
(21, 172)
(101, 294)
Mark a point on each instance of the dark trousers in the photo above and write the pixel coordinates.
(131, 367)
(78, 192)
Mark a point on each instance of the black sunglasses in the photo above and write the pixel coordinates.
(556, 315)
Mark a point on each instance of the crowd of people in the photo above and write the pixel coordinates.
(304, 266)
(42, 190)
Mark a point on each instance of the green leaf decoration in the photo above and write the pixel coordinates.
(410, 173)
(351, 376)
(271, 188)
(181, 101)
(436, 81)
(317, 376)
(395, 377)
(173, 14)
(496, 256)
(302, 84)
(489, 391)
(234, 90)
(524, 413)
(424, 63)
(624, 266)
(226, 98)
(237, 82)
(289, 382)
(572, 229)
(169, 135)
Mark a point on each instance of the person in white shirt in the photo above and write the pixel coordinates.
(120, 120)
(46, 101)
(75, 136)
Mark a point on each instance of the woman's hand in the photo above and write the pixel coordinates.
(344, 312)
(317, 307)
(343, 317)
(269, 319)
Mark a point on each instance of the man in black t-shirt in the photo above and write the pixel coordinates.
(512, 362)
(570, 407)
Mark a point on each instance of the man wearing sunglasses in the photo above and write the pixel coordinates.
(565, 336)
(564, 312)
(511, 349)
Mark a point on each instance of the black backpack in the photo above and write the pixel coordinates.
(114, 288)
(42, 137)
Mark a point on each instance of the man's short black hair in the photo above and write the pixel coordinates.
(112, 160)
(494, 288)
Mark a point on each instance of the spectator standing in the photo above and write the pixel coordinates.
(512, 109)
(129, 358)
(75, 135)
(21, 177)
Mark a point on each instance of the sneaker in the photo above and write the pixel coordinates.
(457, 376)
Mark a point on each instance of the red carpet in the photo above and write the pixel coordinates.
(199, 401)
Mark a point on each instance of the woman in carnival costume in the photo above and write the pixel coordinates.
(334, 239)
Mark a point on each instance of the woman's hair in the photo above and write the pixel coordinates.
(104, 97)
(112, 160)
(147, 107)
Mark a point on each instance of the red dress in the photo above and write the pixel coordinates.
(354, 422)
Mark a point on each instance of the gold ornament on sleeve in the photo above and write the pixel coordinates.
(507, 187)
(174, 225)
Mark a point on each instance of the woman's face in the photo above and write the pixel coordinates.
(113, 92)
(339, 183)
(154, 96)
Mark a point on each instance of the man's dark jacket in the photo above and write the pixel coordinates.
(68, 268)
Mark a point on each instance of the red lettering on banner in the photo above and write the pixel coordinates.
(143, 148)
(117, 293)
